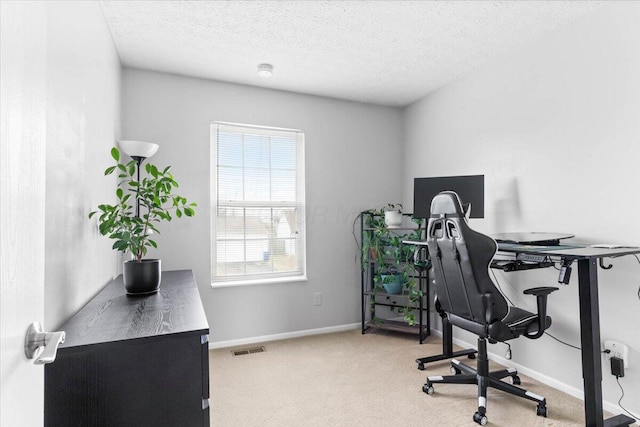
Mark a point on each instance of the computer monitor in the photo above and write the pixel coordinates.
(470, 189)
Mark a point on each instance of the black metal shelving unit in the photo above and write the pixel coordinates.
(372, 298)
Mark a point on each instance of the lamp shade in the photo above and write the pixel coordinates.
(138, 148)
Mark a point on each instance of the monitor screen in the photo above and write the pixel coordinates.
(470, 189)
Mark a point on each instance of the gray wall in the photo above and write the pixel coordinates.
(83, 122)
(352, 163)
(554, 126)
(555, 129)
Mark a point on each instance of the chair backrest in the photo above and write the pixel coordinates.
(461, 259)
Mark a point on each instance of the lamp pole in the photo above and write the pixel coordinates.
(138, 151)
(139, 160)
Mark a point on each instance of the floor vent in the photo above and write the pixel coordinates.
(243, 351)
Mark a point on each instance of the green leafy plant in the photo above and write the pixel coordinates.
(391, 258)
(155, 196)
(396, 207)
(373, 241)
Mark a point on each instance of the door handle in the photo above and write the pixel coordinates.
(41, 345)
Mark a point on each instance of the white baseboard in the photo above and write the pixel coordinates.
(283, 336)
(544, 379)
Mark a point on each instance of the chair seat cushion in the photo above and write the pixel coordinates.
(516, 318)
(517, 322)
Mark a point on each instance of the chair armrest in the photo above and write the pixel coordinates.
(541, 294)
(542, 290)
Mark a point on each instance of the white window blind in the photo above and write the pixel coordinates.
(258, 229)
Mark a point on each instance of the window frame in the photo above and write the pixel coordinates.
(249, 279)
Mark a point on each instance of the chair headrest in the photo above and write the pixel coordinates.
(446, 203)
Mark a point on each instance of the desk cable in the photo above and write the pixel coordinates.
(620, 401)
(511, 302)
(618, 378)
(637, 259)
(571, 345)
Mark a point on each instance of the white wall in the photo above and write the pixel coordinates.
(83, 122)
(348, 146)
(555, 129)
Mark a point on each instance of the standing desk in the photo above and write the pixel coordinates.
(588, 259)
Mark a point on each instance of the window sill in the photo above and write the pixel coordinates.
(234, 283)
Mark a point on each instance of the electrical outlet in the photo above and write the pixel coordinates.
(617, 349)
(317, 298)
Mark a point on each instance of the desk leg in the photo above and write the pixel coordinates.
(590, 342)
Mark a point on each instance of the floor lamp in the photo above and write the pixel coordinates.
(138, 151)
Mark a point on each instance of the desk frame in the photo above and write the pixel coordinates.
(588, 259)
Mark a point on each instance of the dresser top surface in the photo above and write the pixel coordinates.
(112, 316)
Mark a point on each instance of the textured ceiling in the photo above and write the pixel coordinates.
(382, 52)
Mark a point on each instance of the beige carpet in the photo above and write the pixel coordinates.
(349, 379)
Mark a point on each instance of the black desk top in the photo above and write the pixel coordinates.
(543, 243)
(566, 251)
(112, 316)
(525, 238)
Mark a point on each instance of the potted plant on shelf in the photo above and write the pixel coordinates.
(400, 258)
(393, 215)
(392, 280)
(132, 220)
(393, 266)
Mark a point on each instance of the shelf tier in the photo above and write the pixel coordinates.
(396, 326)
(374, 298)
(382, 294)
(385, 294)
(392, 229)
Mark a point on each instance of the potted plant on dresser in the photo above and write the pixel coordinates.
(141, 205)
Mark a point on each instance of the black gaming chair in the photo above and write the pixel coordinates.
(471, 301)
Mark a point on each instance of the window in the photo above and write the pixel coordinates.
(257, 182)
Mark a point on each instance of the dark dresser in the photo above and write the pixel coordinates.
(133, 361)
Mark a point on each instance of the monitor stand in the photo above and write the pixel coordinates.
(532, 238)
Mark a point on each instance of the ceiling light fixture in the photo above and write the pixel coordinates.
(265, 70)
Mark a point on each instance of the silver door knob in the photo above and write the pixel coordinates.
(41, 345)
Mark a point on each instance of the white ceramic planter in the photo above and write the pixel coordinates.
(393, 219)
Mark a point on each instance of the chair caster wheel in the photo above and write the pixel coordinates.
(427, 389)
(515, 380)
(472, 356)
(455, 371)
(421, 366)
(542, 410)
(480, 418)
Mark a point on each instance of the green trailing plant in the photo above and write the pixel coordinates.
(391, 257)
(157, 200)
(373, 242)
